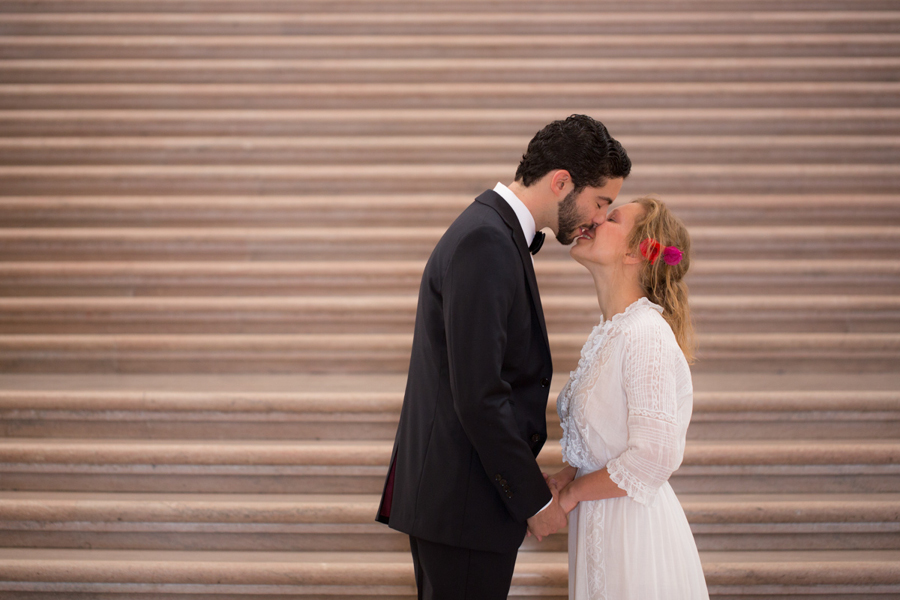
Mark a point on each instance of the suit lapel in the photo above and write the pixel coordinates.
(496, 201)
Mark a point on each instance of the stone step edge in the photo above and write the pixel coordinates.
(411, 234)
(461, 89)
(480, 115)
(376, 270)
(377, 172)
(438, 64)
(556, 18)
(865, 569)
(812, 306)
(427, 6)
(882, 454)
(718, 202)
(381, 403)
(14, 509)
(247, 144)
(461, 40)
(392, 345)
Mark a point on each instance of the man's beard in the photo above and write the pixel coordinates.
(569, 220)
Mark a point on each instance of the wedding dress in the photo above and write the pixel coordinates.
(627, 407)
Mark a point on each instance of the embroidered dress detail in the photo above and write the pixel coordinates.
(597, 576)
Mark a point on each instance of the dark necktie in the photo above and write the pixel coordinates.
(537, 242)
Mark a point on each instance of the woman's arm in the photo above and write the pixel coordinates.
(593, 486)
(655, 444)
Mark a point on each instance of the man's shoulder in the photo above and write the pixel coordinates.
(479, 222)
(483, 211)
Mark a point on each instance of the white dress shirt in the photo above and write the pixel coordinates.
(526, 220)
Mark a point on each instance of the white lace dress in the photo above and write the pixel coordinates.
(627, 407)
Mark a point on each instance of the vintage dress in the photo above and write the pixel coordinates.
(627, 407)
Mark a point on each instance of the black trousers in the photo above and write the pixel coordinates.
(451, 573)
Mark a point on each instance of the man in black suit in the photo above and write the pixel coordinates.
(464, 482)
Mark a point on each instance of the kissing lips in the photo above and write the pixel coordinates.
(586, 233)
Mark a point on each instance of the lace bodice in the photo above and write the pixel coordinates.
(627, 405)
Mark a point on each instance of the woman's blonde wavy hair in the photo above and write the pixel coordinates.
(664, 284)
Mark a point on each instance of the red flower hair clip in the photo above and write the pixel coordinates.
(651, 250)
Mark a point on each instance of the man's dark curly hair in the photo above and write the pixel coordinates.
(580, 145)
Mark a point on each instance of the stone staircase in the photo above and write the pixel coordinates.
(213, 219)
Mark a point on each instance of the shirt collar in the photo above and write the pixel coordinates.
(526, 220)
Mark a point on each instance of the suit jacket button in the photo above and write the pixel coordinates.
(545, 382)
(497, 477)
(536, 438)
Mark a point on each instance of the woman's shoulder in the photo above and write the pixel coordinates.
(644, 325)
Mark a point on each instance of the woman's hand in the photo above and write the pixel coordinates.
(562, 478)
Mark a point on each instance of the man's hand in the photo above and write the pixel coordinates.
(548, 521)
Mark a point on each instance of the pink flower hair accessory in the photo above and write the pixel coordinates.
(652, 250)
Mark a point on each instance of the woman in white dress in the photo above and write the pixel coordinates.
(625, 412)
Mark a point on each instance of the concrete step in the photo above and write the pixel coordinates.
(466, 6)
(396, 314)
(421, 210)
(329, 523)
(332, 353)
(794, 415)
(367, 278)
(446, 46)
(849, 150)
(461, 179)
(451, 95)
(367, 21)
(561, 96)
(387, 121)
(368, 415)
(329, 467)
(358, 575)
(660, 70)
(406, 243)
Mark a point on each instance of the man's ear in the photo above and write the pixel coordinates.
(559, 182)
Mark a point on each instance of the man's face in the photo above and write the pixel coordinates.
(585, 210)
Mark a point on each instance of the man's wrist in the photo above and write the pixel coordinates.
(546, 506)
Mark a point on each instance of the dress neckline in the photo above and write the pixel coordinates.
(632, 308)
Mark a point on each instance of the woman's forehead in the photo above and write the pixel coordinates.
(628, 209)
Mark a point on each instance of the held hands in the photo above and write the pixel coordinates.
(562, 478)
(549, 520)
(555, 516)
(562, 482)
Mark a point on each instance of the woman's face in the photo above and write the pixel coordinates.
(607, 244)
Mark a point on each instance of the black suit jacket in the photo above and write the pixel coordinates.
(463, 469)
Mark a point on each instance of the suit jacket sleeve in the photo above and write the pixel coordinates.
(478, 291)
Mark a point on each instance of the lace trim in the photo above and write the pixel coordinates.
(595, 515)
(634, 487)
(654, 414)
(570, 403)
(571, 411)
(562, 409)
(634, 306)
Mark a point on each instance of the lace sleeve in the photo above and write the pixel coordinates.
(655, 448)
